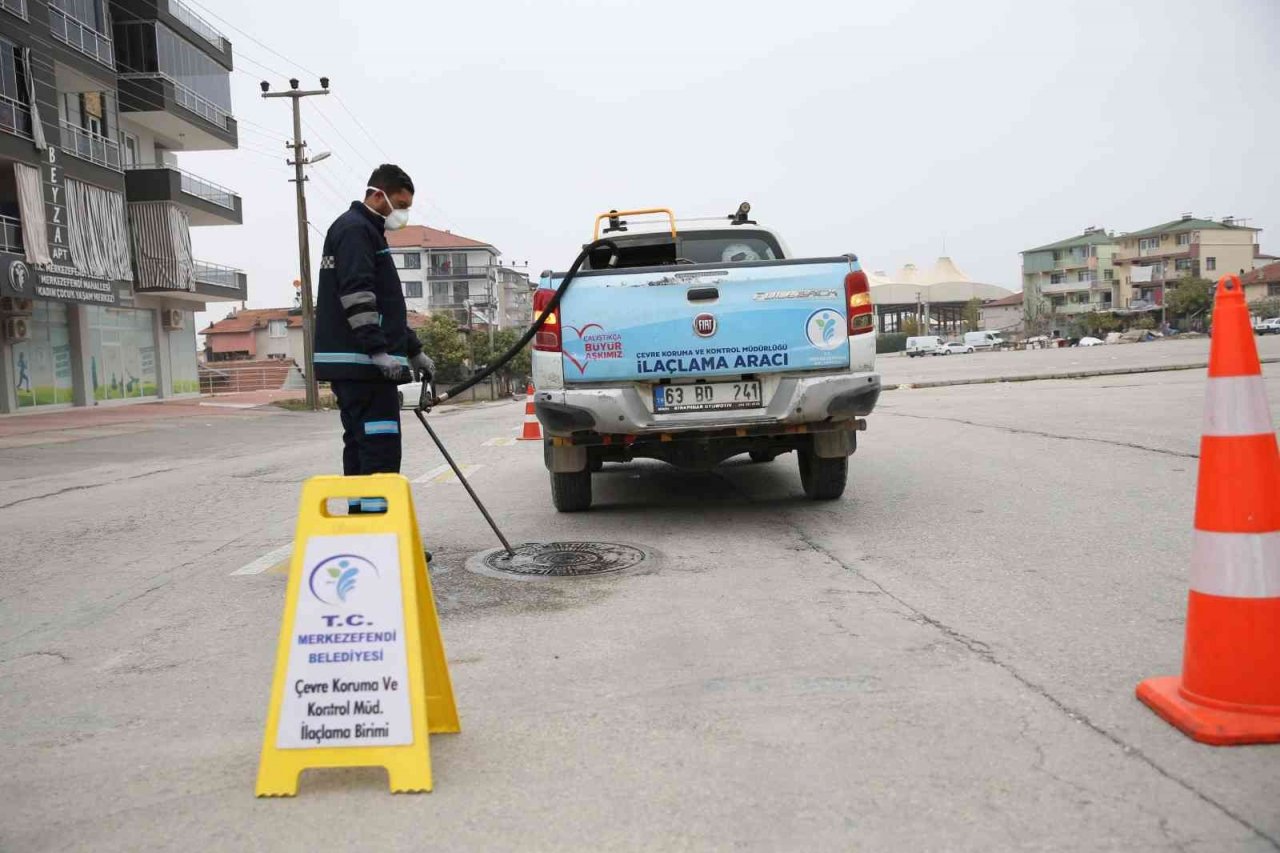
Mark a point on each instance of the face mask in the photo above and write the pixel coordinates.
(397, 218)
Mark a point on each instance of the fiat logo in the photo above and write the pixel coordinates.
(704, 325)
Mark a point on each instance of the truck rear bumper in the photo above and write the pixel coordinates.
(623, 409)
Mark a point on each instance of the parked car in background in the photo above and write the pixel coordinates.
(983, 340)
(1268, 327)
(951, 348)
(1091, 342)
(923, 345)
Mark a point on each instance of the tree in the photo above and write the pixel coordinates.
(1265, 308)
(445, 344)
(1188, 298)
(972, 315)
(503, 339)
(910, 326)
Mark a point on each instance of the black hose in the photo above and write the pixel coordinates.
(537, 324)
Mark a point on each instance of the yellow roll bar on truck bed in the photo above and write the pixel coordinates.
(618, 214)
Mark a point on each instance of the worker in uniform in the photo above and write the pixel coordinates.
(364, 347)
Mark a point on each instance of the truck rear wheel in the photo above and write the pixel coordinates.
(823, 479)
(571, 492)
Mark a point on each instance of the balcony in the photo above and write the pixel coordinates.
(81, 37)
(1068, 286)
(198, 25)
(173, 111)
(15, 117)
(205, 202)
(11, 235)
(90, 146)
(217, 283)
(463, 272)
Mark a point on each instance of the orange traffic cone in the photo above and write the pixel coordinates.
(532, 430)
(1229, 691)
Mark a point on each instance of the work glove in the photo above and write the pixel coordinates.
(423, 367)
(392, 369)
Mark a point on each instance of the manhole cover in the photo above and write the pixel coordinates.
(564, 559)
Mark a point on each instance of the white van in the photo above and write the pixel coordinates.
(923, 345)
(983, 340)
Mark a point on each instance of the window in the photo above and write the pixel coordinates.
(1211, 264)
(1149, 243)
(1084, 275)
(1184, 239)
(278, 328)
(129, 145)
(144, 47)
(449, 264)
(413, 289)
(1057, 278)
(15, 116)
(1273, 290)
(1058, 301)
(1057, 255)
(1108, 275)
(1182, 265)
(407, 260)
(440, 294)
(1080, 298)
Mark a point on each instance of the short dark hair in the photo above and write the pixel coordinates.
(390, 178)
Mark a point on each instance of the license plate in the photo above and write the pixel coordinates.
(706, 397)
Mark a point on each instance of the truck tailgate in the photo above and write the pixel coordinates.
(695, 321)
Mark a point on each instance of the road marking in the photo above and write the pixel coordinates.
(443, 474)
(502, 441)
(266, 561)
(231, 405)
(432, 474)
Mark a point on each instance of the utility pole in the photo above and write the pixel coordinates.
(493, 310)
(304, 245)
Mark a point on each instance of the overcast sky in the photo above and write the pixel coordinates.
(881, 128)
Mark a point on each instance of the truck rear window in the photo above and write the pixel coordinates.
(724, 247)
(697, 247)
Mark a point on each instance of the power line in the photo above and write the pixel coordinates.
(252, 39)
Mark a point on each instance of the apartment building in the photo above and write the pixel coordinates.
(99, 284)
(443, 272)
(1072, 276)
(1149, 260)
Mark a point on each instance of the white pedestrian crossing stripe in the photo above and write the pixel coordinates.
(266, 561)
(436, 477)
(501, 441)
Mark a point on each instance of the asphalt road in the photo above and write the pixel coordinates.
(943, 660)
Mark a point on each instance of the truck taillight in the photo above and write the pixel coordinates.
(548, 337)
(857, 292)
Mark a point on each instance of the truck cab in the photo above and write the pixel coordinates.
(695, 341)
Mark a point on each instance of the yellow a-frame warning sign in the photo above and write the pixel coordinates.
(361, 677)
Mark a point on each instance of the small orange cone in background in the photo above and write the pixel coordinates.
(1229, 690)
(532, 430)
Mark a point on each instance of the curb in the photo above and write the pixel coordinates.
(1036, 377)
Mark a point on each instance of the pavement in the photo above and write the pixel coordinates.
(944, 659)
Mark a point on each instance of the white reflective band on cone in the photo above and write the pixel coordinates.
(1236, 565)
(1236, 405)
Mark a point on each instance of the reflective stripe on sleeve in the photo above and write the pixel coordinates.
(381, 428)
(1236, 565)
(1236, 405)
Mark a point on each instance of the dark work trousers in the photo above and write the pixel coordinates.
(370, 433)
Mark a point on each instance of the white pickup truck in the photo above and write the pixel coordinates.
(704, 340)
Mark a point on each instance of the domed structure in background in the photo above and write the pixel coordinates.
(940, 294)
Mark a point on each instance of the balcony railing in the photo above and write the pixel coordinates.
(1066, 286)
(11, 234)
(194, 185)
(71, 30)
(186, 98)
(16, 7)
(217, 275)
(90, 146)
(199, 25)
(15, 117)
